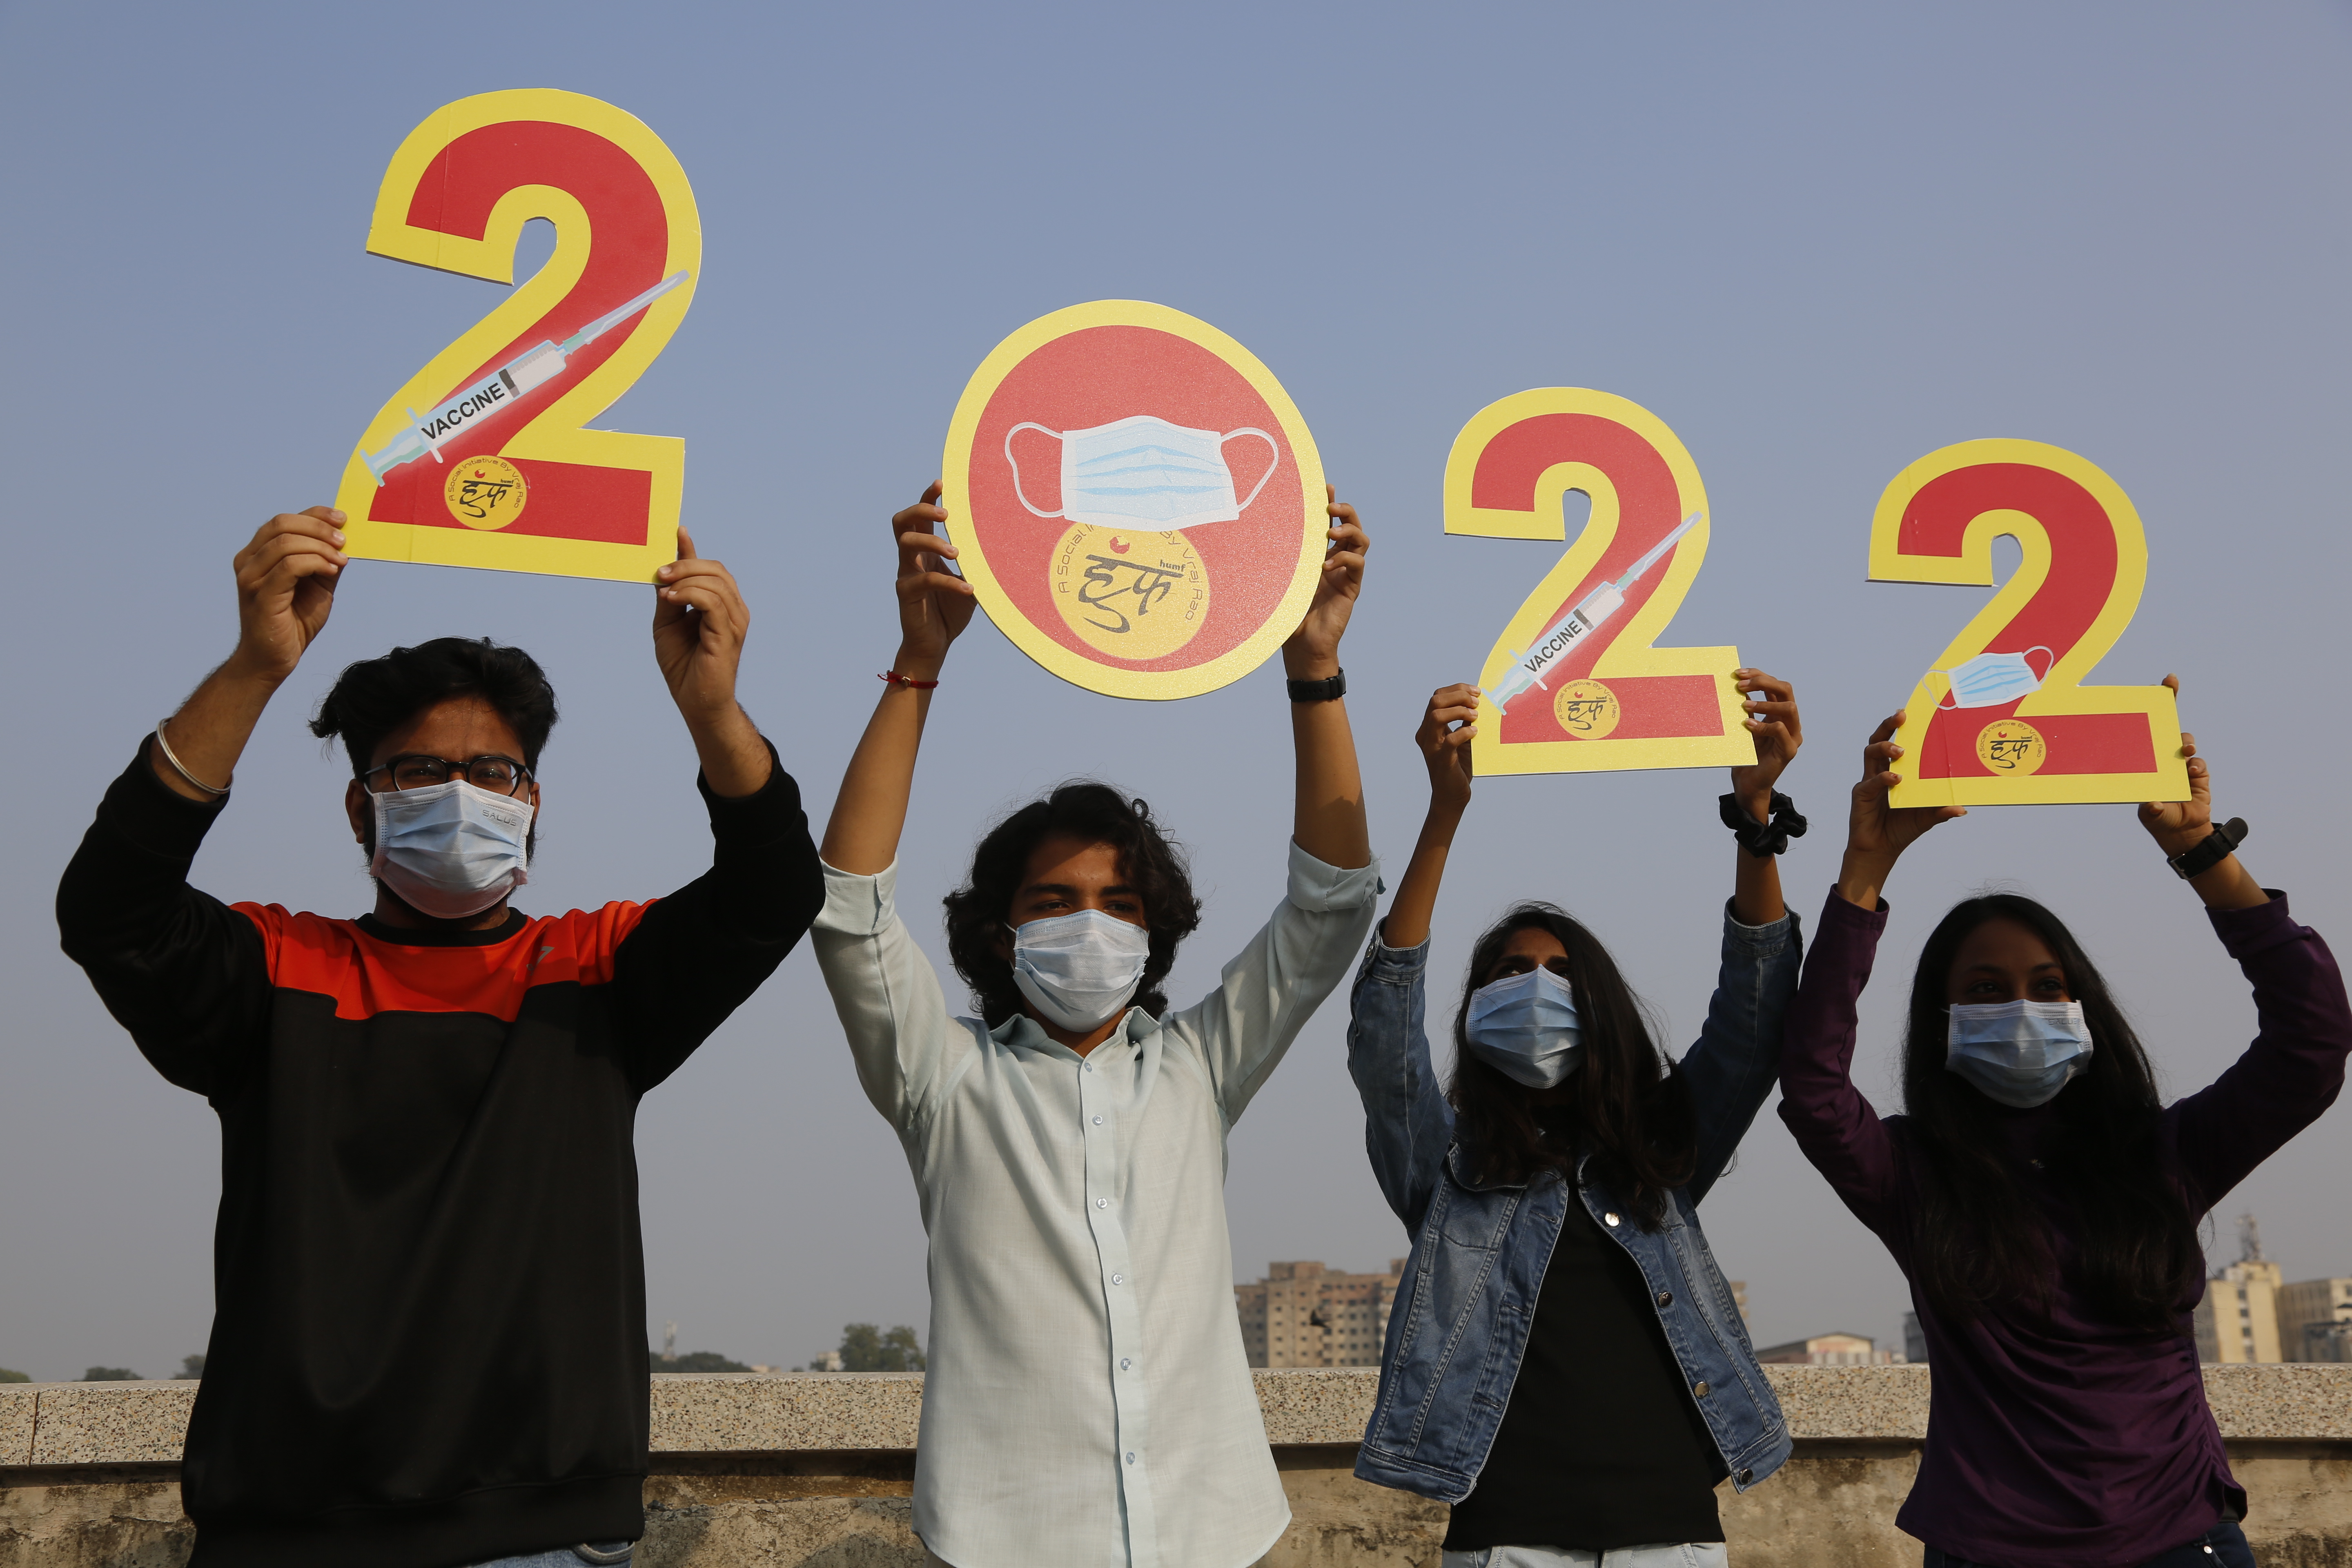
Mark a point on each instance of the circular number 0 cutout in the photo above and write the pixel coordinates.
(1136, 499)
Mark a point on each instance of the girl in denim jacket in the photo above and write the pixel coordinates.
(1564, 1364)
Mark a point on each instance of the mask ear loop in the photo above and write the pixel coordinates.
(1015, 465)
(1271, 443)
(2028, 656)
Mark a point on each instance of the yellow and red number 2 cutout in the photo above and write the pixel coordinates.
(1136, 499)
(1574, 685)
(482, 458)
(2002, 719)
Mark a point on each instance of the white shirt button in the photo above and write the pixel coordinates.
(1124, 1365)
(1606, 1219)
(1118, 1279)
(1130, 1458)
(1099, 1123)
(1102, 1202)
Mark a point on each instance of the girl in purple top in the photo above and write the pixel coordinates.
(2041, 1202)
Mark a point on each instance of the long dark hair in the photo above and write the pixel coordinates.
(1626, 1105)
(1152, 862)
(1983, 1241)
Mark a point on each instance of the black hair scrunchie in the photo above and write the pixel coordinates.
(1762, 839)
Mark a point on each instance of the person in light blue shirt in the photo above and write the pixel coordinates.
(1564, 1364)
(1088, 1402)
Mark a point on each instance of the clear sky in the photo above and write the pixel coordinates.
(1820, 241)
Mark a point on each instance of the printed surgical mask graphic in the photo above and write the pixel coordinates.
(1524, 1027)
(519, 376)
(1991, 680)
(1079, 969)
(2018, 1053)
(1143, 473)
(451, 850)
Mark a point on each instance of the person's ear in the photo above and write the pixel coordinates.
(355, 807)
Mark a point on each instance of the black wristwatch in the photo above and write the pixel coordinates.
(2217, 847)
(1326, 690)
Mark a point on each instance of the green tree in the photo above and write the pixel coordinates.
(192, 1367)
(9, 1376)
(865, 1348)
(110, 1375)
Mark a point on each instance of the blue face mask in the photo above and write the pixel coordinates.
(1991, 680)
(2019, 1053)
(451, 850)
(1145, 473)
(1079, 970)
(1524, 1026)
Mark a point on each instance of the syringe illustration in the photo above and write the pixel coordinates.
(1529, 669)
(534, 368)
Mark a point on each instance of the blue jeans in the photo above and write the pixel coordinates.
(2223, 1546)
(1695, 1554)
(616, 1553)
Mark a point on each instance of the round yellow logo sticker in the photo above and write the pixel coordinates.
(1587, 710)
(2011, 747)
(484, 492)
(1133, 596)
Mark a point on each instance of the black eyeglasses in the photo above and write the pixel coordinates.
(497, 775)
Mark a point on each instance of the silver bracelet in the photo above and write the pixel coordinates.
(181, 769)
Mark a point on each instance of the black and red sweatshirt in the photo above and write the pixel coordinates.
(428, 1345)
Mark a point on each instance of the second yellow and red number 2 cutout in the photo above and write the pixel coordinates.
(1573, 684)
(2002, 719)
(483, 458)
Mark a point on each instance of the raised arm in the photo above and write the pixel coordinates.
(699, 624)
(1835, 1125)
(935, 604)
(1733, 1066)
(1328, 819)
(1448, 726)
(696, 954)
(1407, 1123)
(2293, 1070)
(286, 579)
(184, 974)
(1267, 994)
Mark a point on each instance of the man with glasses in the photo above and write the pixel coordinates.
(429, 1344)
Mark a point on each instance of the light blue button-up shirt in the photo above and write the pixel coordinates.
(1088, 1404)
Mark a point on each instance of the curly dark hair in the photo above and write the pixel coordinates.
(1627, 1105)
(1985, 1241)
(1152, 863)
(376, 695)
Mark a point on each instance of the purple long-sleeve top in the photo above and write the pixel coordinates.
(2070, 1441)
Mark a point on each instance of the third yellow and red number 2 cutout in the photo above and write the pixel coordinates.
(1140, 504)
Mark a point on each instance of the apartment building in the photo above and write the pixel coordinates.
(1303, 1314)
(2238, 1320)
(2314, 1320)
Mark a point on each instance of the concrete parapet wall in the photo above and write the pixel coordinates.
(816, 1470)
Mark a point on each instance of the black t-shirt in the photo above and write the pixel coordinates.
(1600, 1446)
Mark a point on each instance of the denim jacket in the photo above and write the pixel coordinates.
(1480, 1253)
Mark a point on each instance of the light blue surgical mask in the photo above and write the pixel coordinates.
(1080, 969)
(1144, 473)
(451, 850)
(1524, 1026)
(1991, 680)
(2019, 1053)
